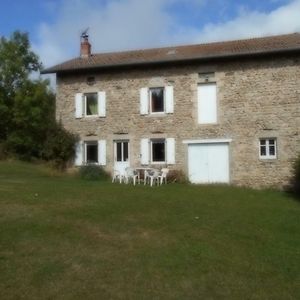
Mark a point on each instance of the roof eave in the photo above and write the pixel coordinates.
(169, 61)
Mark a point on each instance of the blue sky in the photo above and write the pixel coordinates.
(54, 25)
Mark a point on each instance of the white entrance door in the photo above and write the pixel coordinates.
(208, 163)
(121, 155)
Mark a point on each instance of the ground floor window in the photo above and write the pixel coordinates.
(158, 150)
(267, 148)
(91, 152)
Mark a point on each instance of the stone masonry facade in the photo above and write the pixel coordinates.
(256, 98)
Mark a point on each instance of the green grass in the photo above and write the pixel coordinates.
(66, 238)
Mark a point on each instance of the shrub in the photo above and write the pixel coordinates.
(93, 172)
(177, 176)
(59, 147)
(296, 178)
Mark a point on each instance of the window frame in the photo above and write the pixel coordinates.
(150, 89)
(267, 145)
(151, 151)
(122, 142)
(86, 144)
(85, 104)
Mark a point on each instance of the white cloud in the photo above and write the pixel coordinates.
(284, 19)
(127, 24)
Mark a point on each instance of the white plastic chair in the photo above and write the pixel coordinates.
(163, 176)
(131, 173)
(117, 176)
(147, 176)
(154, 176)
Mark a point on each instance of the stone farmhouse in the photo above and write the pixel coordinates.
(225, 112)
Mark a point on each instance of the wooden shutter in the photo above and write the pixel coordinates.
(170, 151)
(144, 101)
(102, 152)
(102, 104)
(78, 105)
(144, 151)
(207, 103)
(169, 92)
(79, 153)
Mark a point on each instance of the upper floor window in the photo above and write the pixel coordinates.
(267, 148)
(157, 100)
(91, 104)
(207, 103)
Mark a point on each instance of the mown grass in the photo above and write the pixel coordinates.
(66, 238)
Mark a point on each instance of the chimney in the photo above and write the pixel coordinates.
(85, 46)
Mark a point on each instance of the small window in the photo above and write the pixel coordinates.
(91, 104)
(157, 101)
(267, 148)
(158, 151)
(91, 153)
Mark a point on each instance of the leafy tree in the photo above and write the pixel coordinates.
(17, 62)
(27, 107)
(32, 115)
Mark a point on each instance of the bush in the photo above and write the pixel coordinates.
(59, 147)
(177, 176)
(93, 172)
(296, 178)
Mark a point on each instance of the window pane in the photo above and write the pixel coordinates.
(125, 151)
(91, 104)
(272, 150)
(157, 99)
(271, 142)
(263, 151)
(119, 151)
(158, 151)
(262, 142)
(91, 153)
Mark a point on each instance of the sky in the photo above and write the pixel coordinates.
(54, 26)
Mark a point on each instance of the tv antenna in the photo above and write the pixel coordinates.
(84, 33)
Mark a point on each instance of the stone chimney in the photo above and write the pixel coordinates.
(85, 46)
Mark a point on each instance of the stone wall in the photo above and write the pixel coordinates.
(256, 98)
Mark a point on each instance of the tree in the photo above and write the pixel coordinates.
(32, 115)
(17, 62)
(27, 107)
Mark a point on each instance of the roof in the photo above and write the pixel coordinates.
(247, 47)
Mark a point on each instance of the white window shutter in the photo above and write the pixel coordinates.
(79, 153)
(170, 151)
(102, 152)
(102, 104)
(145, 151)
(207, 103)
(169, 99)
(78, 105)
(144, 101)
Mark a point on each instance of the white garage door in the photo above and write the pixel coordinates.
(208, 163)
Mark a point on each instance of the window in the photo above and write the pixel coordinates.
(91, 152)
(121, 154)
(91, 104)
(207, 103)
(158, 151)
(157, 100)
(267, 148)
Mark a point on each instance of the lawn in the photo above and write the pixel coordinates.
(66, 238)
